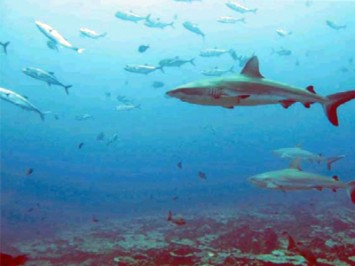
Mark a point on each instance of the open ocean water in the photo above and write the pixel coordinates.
(119, 173)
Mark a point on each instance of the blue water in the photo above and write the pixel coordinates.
(139, 170)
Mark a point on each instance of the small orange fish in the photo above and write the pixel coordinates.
(178, 221)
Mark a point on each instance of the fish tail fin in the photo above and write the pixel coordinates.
(78, 50)
(192, 61)
(67, 88)
(254, 10)
(351, 191)
(172, 25)
(103, 34)
(148, 16)
(332, 160)
(4, 45)
(170, 216)
(243, 20)
(161, 69)
(42, 116)
(334, 101)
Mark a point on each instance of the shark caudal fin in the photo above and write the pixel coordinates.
(332, 160)
(351, 191)
(334, 101)
(4, 45)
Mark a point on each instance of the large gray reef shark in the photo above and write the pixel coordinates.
(17, 99)
(55, 37)
(294, 179)
(250, 88)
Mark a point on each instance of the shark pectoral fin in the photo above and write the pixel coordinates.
(243, 96)
(251, 68)
(308, 105)
(287, 103)
(311, 89)
(295, 164)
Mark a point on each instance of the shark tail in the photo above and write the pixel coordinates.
(103, 34)
(170, 216)
(4, 45)
(243, 20)
(351, 191)
(172, 25)
(67, 88)
(192, 61)
(334, 101)
(161, 69)
(254, 10)
(332, 160)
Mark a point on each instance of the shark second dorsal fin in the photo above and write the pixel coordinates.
(251, 68)
(295, 164)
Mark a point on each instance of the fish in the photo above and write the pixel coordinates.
(113, 139)
(101, 136)
(216, 72)
(4, 46)
(84, 117)
(334, 25)
(250, 88)
(55, 37)
(94, 219)
(179, 165)
(239, 8)
(52, 45)
(283, 33)
(30, 209)
(178, 221)
(45, 76)
(214, 52)
(158, 84)
(142, 69)
(230, 20)
(281, 52)
(127, 107)
(81, 144)
(193, 28)
(29, 171)
(123, 99)
(297, 152)
(142, 48)
(21, 101)
(299, 248)
(85, 32)
(291, 179)
(130, 16)
(176, 62)
(157, 23)
(9, 260)
(202, 175)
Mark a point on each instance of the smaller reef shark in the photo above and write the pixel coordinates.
(294, 179)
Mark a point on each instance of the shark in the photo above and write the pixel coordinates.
(291, 179)
(55, 37)
(298, 152)
(19, 100)
(251, 88)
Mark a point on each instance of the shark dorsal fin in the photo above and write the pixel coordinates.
(295, 164)
(251, 68)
